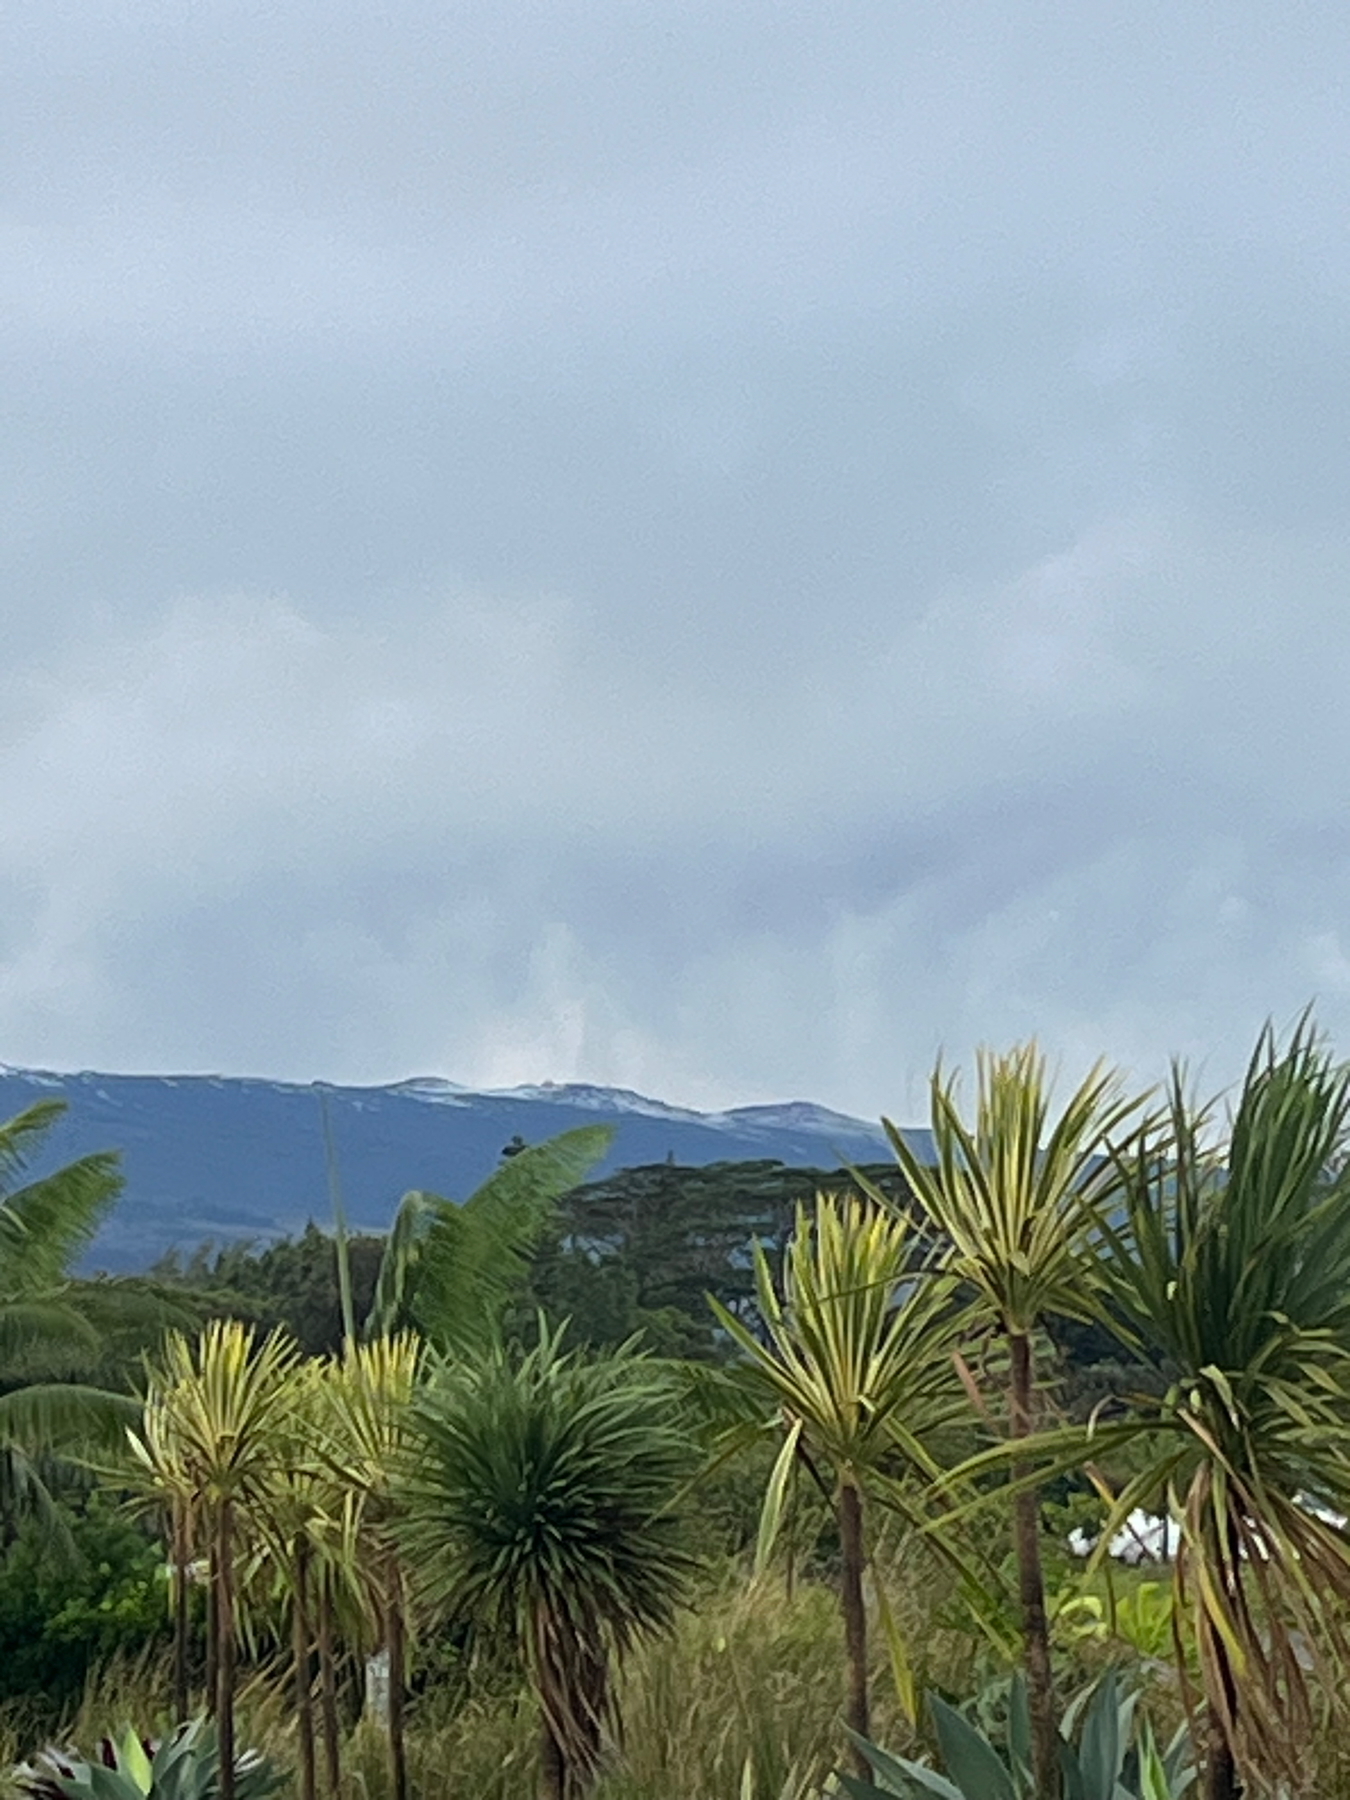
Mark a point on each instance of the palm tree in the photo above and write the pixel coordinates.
(211, 1432)
(50, 1325)
(1231, 1272)
(857, 1362)
(1019, 1200)
(539, 1504)
(449, 1270)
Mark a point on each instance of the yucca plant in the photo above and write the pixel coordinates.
(539, 1503)
(1019, 1197)
(856, 1364)
(1110, 1758)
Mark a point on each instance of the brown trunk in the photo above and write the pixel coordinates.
(552, 1765)
(300, 1652)
(212, 1612)
(1031, 1587)
(1221, 1781)
(225, 1646)
(855, 1615)
(1221, 1776)
(181, 1551)
(394, 1643)
(328, 1693)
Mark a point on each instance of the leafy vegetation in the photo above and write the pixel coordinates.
(1100, 1755)
(371, 1507)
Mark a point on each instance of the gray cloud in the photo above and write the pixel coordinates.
(714, 551)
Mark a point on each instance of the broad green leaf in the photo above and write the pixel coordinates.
(969, 1758)
(1100, 1750)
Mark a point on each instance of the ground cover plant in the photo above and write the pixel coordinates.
(817, 1537)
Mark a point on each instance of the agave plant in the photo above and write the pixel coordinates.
(184, 1766)
(1110, 1759)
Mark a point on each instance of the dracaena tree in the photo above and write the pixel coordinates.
(1230, 1270)
(212, 1431)
(1019, 1195)
(366, 1433)
(856, 1363)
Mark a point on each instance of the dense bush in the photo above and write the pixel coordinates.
(66, 1606)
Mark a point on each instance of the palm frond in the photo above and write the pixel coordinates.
(449, 1269)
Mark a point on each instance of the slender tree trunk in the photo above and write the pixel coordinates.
(328, 1691)
(1221, 1780)
(552, 1764)
(855, 1614)
(182, 1699)
(1221, 1776)
(395, 1644)
(300, 1651)
(212, 1614)
(1031, 1586)
(225, 1646)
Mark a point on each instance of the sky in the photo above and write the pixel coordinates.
(720, 549)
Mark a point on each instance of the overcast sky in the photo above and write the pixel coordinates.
(717, 548)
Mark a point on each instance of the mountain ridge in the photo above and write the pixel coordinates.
(218, 1158)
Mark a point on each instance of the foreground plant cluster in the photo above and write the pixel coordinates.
(465, 1551)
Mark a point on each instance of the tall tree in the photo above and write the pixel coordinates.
(367, 1439)
(1231, 1271)
(450, 1270)
(1020, 1198)
(857, 1363)
(213, 1428)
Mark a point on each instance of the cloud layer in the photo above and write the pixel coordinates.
(715, 553)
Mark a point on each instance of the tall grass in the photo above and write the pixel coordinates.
(741, 1702)
(742, 1699)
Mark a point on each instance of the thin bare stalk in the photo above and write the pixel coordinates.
(179, 1537)
(225, 1656)
(853, 1556)
(328, 1690)
(396, 1645)
(301, 1655)
(1031, 1585)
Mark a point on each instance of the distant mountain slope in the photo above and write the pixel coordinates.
(210, 1157)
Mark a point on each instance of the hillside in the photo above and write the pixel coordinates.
(222, 1158)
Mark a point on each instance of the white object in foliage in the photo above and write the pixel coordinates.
(1144, 1538)
(377, 1688)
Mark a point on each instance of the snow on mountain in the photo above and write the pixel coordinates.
(219, 1158)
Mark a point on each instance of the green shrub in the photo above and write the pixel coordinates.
(74, 1599)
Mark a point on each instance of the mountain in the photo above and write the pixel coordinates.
(217, 1158)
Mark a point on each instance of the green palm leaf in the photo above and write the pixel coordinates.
(451, 1270)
